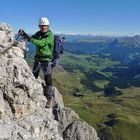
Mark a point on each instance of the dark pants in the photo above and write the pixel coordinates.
(47, 70)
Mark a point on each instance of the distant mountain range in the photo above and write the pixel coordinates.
(98, 38)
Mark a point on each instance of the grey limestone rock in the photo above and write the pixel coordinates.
(23, 115)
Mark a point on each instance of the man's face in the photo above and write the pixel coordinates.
(43, 28)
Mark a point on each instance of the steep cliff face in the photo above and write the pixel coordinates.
(23, 115)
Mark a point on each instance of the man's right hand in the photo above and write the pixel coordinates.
(22, 33)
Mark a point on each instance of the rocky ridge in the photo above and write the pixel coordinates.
(23, 115)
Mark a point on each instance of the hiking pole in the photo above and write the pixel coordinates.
(17, 36)
(20, 33)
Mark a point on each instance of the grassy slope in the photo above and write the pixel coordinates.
(95, 108)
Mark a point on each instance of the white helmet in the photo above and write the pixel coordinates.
(43, 21)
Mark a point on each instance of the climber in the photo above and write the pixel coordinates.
(44, 42)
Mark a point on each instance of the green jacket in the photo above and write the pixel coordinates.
(44, 45)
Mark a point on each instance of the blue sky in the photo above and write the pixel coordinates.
(79, 16)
